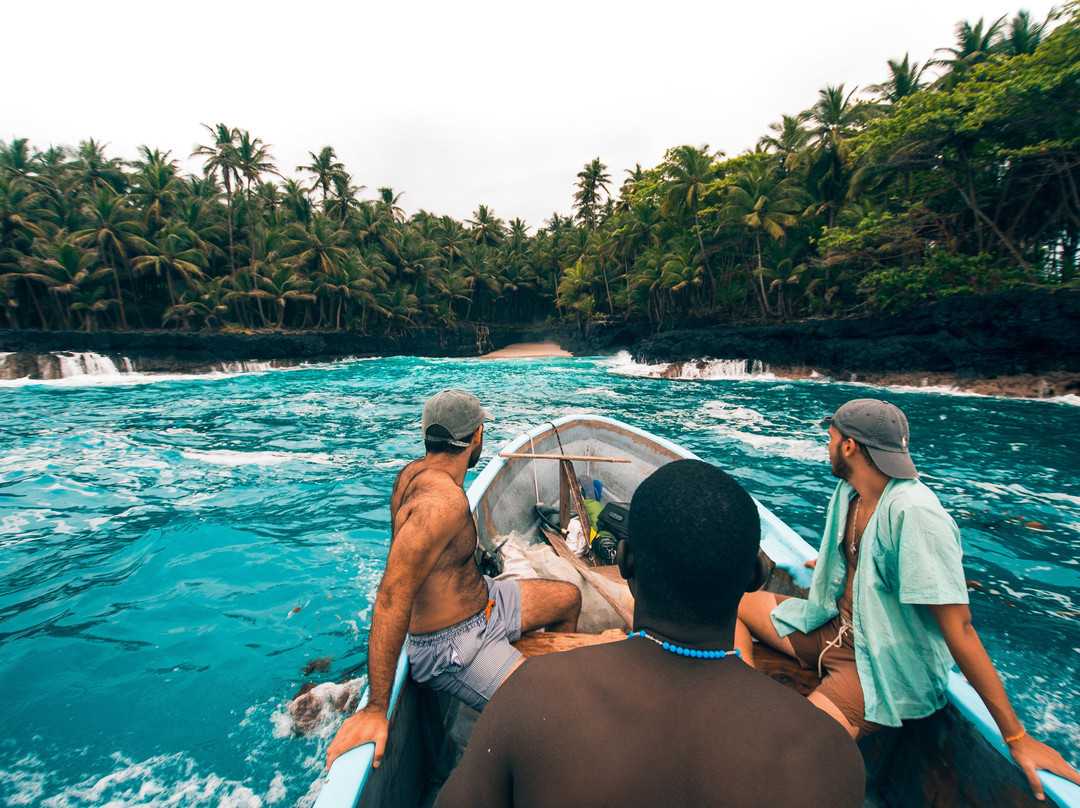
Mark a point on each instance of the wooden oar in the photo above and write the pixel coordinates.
(598, 582)
(590, 458)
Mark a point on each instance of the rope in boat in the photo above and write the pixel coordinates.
(536, 482)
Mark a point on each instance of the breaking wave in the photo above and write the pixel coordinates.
(693, 370)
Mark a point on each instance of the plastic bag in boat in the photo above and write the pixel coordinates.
(575, 538)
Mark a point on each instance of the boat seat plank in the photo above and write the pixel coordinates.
(785, 670)
(536, 643)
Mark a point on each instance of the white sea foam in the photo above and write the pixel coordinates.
(752, 428)
(693, 370)
(94, 370)
(245, 367)
(166, 781)
(277, 791)
(26, 784)
(89, 364)
(734, 414)
(227, 457)
(394, 463)
(605, 392)
(319, 712)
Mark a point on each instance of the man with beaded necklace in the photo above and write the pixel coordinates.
(887, 611)
(671, 715)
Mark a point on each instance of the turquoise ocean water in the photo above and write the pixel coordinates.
(175, 554)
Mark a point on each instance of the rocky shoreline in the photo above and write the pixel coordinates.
(34, 354)
(1020, 343)
(1048, 385)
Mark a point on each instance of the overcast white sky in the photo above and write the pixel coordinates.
(454, 103)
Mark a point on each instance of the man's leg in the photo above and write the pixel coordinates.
(823, 702)
(754, 611)
(554, 605)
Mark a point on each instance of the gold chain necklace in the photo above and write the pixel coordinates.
(854, 546)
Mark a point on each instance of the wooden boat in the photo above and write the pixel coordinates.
(954, 758)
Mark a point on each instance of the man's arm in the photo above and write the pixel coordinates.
(954, 620)
(425, 533)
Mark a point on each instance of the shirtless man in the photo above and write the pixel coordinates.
(636, 723)
(887, 610)
(459, 623)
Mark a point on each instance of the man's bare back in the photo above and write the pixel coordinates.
(431, 583)
(453, 590)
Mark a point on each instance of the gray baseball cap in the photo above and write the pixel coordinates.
(452, 416)
(882, 428)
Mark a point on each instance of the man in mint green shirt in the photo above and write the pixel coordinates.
(886, 614)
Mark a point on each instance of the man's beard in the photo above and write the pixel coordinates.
(840, 466)
(474, 458)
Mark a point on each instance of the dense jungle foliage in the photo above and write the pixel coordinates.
(957, 176)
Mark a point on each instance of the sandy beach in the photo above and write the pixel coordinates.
(528, 350)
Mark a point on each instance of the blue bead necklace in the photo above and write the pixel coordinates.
(686, 652)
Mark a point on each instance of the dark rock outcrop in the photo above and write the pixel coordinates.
(32, 352)
(1019, 332)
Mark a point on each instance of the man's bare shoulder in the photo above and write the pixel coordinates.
(427, 489)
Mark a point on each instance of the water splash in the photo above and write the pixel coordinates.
(694, 369)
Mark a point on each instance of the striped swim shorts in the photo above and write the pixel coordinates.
(470, 659)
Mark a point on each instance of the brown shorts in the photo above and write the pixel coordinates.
(840, 682)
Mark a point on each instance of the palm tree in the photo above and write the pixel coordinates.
(689, 174)
(575, 291)
(65, 268)
(221, 158)
(1023, 35)
(285, 285)
(487, 228)
(325, 168)
(318, 247)
(762, 199)
(635, 176)
(113, 231)
(399, 306)
(680, 272)
(344, 200)
(388, 201)
(253, 159)
(90, 303)
(975, 44)
(835, 119)
(21, 219)
(905, 78)
(591, 181)
(155, 186)
(15, 158)
(789, 136)
(96, 171)
(296, 201)
(173, 257)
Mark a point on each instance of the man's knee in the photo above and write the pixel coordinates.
(755, 608)
(564, 598)
(549, 603)
(572, 599)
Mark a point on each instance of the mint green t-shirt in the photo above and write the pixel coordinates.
(910, 556)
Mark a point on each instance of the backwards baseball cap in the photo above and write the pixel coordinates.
(882, 428)
(452, 416)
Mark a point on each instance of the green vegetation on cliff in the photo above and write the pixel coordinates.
(918, 189)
